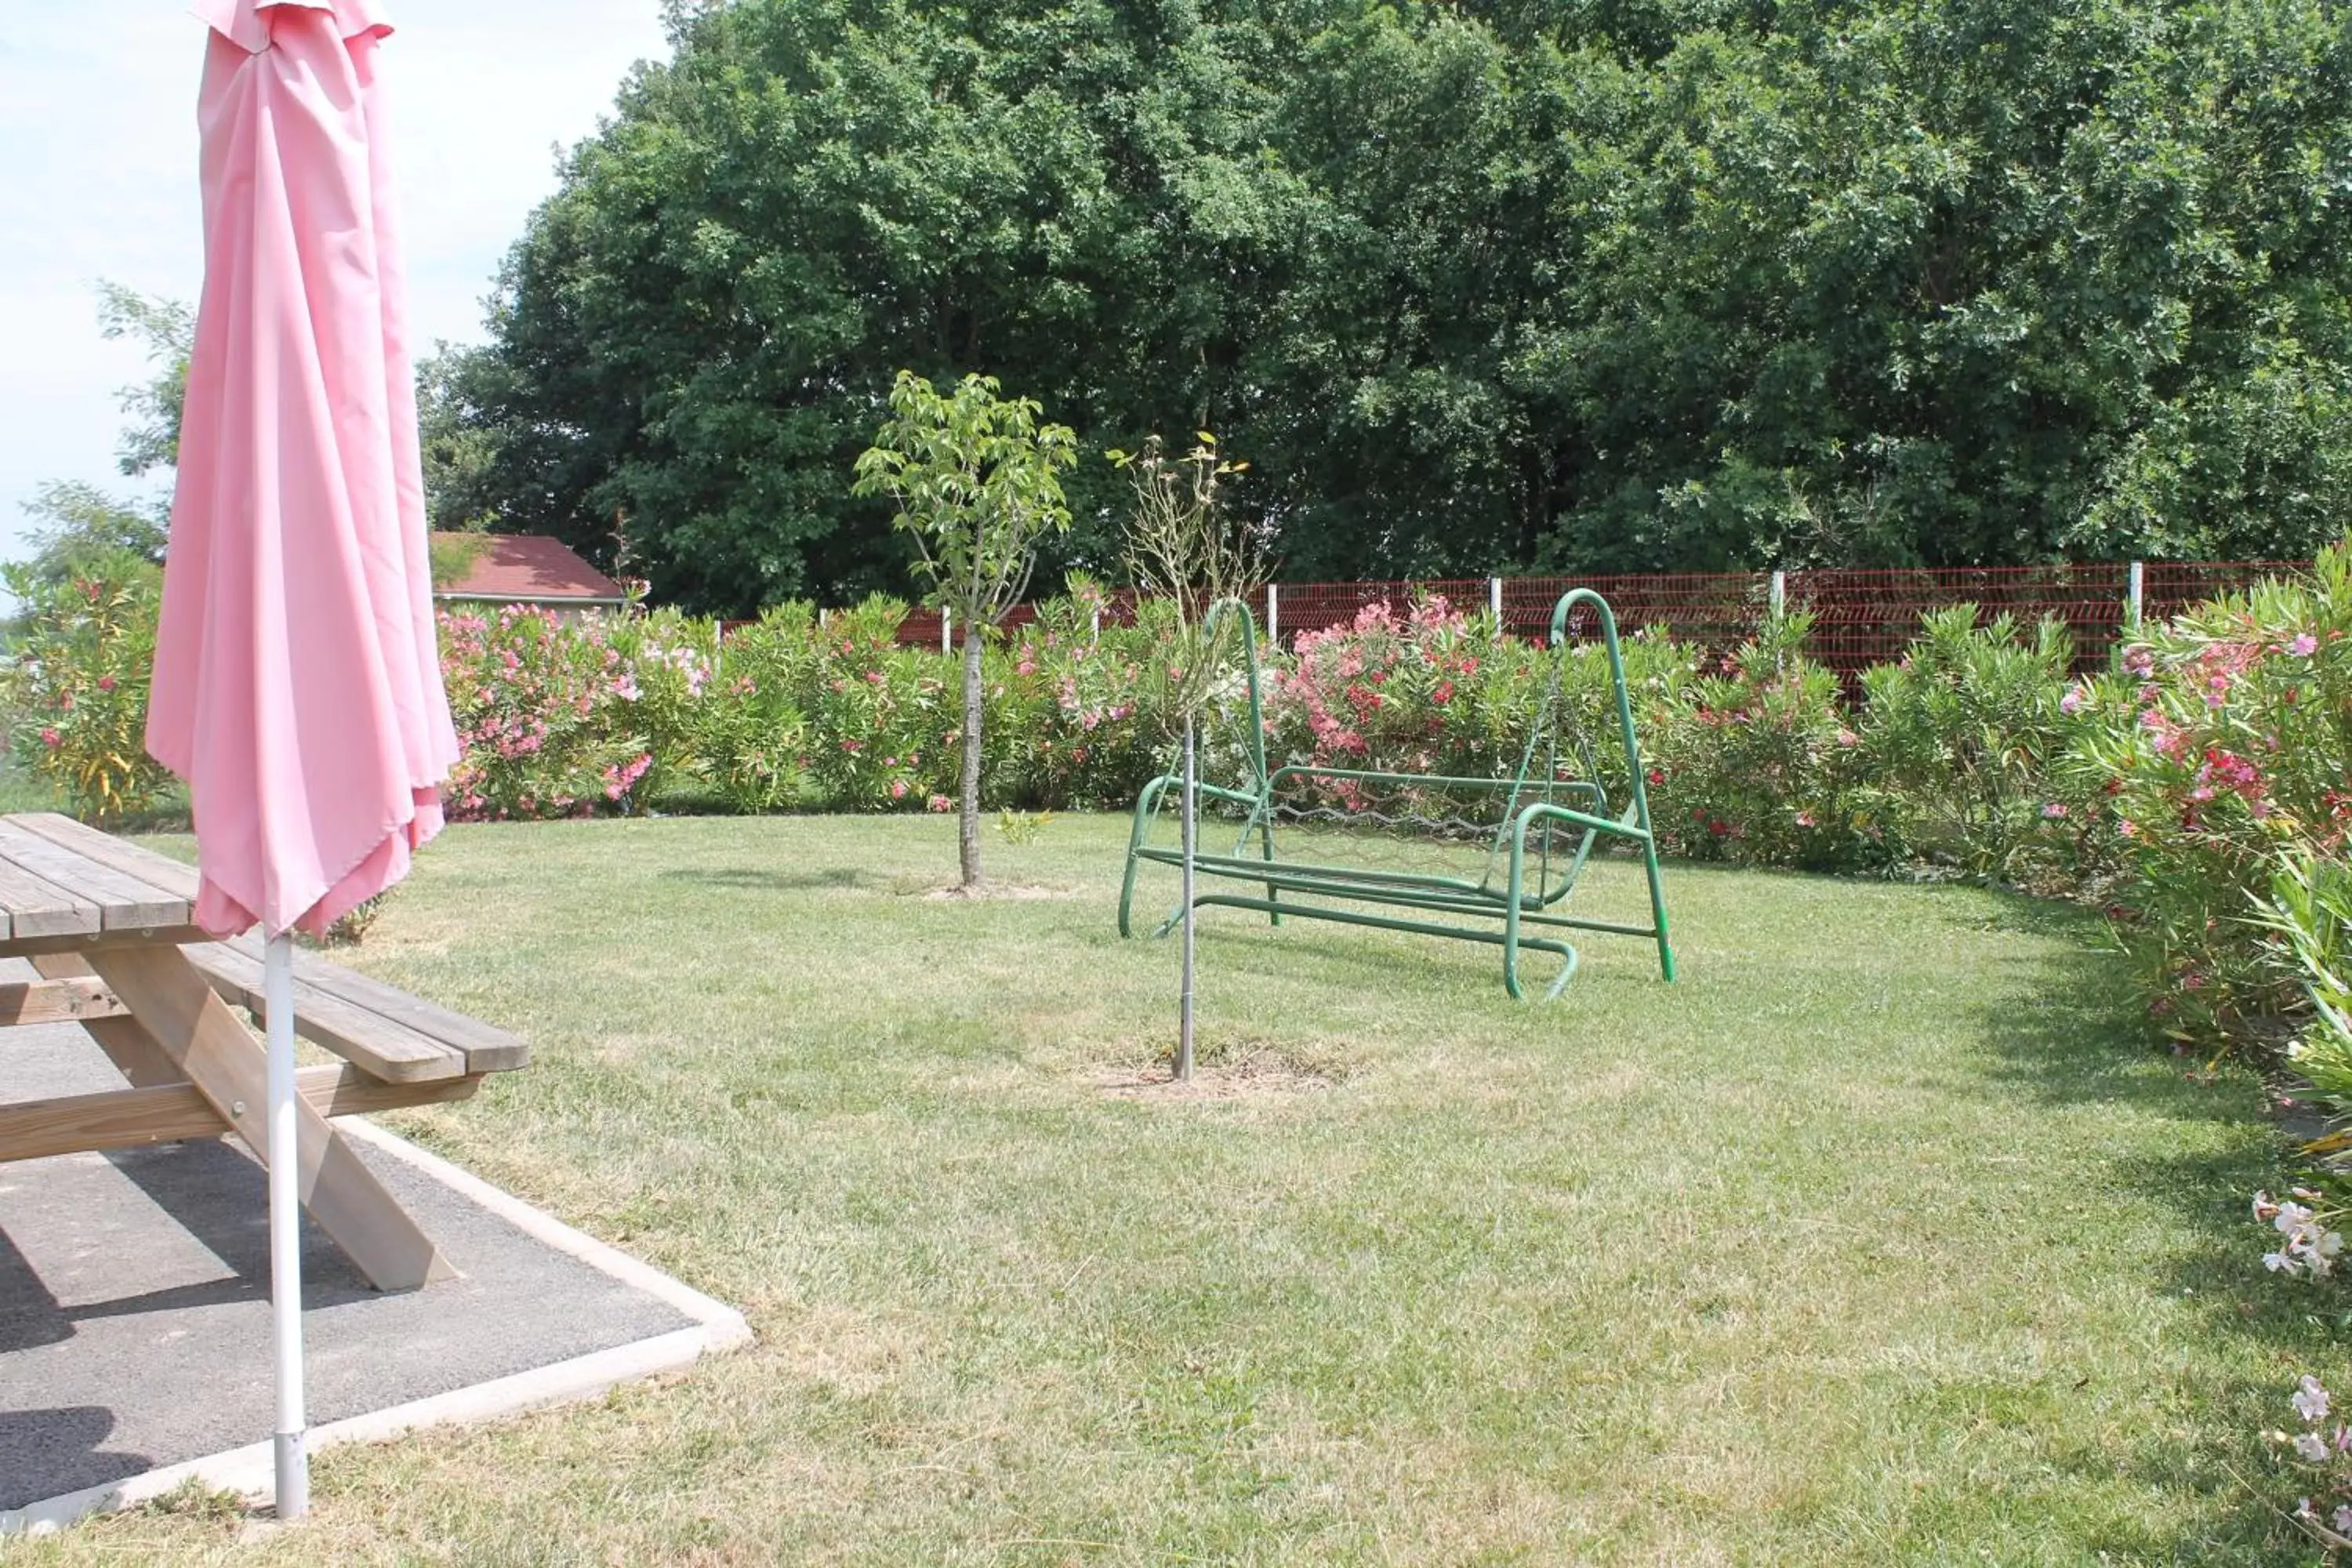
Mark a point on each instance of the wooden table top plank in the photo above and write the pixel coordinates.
(32, 905)
(487, 1048)
(383, 1047)
(124, 902)
(171, 876)
(402, 1037)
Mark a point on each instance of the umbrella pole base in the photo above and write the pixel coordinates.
(293, 1475)
(285, 1233)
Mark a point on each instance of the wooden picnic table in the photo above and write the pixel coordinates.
(108, 928)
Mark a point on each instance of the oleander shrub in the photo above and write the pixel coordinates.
(1961, 741)
(75, 687)
(1416, 693)
(666, 660)
(1755, 759)
(749, 738)
(1072, 721)
(885, 722)
(2311, 911)
(2222, 742)
(546, 710)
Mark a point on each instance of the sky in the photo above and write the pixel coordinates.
(97, 180)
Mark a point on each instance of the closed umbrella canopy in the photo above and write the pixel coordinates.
(298, 688)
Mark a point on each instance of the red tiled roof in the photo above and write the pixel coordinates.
(529, 569)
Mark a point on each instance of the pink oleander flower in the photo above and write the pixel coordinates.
(52, 740)
(940, 803)
(897, 789)
(2072, 703)
(2303, 646)
(2054, 810)
(1804, 819)
(1848, 738)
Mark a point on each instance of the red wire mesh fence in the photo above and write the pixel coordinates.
(1861, 617)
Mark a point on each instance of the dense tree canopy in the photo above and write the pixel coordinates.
(1607, 284)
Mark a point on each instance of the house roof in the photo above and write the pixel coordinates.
(529, 569)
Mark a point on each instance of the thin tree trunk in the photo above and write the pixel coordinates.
(1192, 836)
(968, 823)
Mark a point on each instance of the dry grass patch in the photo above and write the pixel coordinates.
(1225, 1066)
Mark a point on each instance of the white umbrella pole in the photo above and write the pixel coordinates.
(285, 1230)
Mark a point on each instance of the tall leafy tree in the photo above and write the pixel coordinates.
(83, 530)
(1483, 285)
(166, 331)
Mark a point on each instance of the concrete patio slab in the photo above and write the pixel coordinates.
(134, 1312)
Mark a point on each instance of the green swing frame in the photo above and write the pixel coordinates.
(1545, 831)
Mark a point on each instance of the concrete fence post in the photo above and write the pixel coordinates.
(1495, 600)
(2134, 595)
(1780, 594)
(947, 631)
(1273, 615)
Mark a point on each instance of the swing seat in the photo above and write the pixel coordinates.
(1530, 836)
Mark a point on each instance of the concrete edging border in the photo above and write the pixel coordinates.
(249, 1471)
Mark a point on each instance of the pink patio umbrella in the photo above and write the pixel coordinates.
(298, 688)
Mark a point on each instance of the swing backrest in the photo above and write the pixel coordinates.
(1466, 824)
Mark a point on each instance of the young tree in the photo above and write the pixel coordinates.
(974, 479)
(1183, 549)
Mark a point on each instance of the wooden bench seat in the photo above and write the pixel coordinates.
(394, 1036)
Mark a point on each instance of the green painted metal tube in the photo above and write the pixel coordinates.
(1517, 908)
(1566, 953)
(1636, 774)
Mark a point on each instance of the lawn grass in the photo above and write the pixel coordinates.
(1879, 1238)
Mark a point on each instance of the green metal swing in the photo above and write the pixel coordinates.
(1524, 852)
